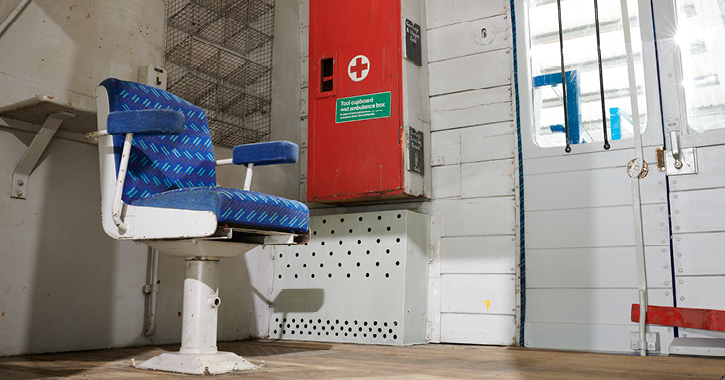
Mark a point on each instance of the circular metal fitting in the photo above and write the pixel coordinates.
(637, 168)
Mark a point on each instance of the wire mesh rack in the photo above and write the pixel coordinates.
(219, 57)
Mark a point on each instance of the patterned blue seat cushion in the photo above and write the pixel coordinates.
(162, 163)
(236, 207)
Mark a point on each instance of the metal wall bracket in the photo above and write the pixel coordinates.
(652, 339)
(35, 150)
(687, 162)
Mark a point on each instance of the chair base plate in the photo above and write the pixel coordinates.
(198, 364)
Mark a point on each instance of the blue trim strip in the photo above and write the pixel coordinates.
(522, 242)
(573, 100)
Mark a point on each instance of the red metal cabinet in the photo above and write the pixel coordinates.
(359, 138)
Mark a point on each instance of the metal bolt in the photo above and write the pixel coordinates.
(674, 182)
(664, 250)
(682, 298)
(680, 270)
(679, 238)
(674, 196)
(682, 281)
(20, 182)
(677, 211)
(667, 283)
(667, 293)
(679, 254)
(662, 207)
(20, 193)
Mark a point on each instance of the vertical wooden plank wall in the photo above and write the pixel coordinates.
(472, 292)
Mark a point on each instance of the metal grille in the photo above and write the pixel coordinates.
(360, 279)
(219, 57)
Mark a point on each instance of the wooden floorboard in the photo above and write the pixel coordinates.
(297, 360)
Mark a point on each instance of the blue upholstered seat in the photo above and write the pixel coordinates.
(177, 171)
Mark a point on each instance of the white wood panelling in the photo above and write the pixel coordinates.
(479, 254)
(303, 137)
(304, 13)
(594, 227)
(587, 337)
(446, 145)
(613, 267)
(446, 181)
(303, 162)
(711, 171)
(586, 161)
(488, 179)
(304, 71)
(588, 306)
(477, 217)
(479, 293)
(471, 72)
(702, 292)
(434, 309)
(699, 254)
(589, 188)
(459, 40)
(471, 122)
(698, 211)
(305, 41)
(483, 106)
(304, 102)
(488, 142)
(445, 12)
(478, 328)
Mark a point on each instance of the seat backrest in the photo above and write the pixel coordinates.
(162, 163)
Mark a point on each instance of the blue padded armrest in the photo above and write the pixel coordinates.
(266, 153)
(146, 122)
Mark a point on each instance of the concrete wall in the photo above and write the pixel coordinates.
(65, 285)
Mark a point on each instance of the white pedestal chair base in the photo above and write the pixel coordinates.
(198, 364)
(198, 354)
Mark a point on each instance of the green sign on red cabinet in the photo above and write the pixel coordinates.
(363, 107)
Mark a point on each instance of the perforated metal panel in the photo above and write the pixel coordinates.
(362, 278)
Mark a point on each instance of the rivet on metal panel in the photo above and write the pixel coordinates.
(667, 293)
(679, 255)
(20, 193)
(20, 182)
(682, 298)
(677, 211)
(680, 270)
(682, 282)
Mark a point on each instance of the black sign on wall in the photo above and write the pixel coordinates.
(413, 51)
(415, 151)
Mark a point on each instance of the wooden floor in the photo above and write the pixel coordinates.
(292, 360)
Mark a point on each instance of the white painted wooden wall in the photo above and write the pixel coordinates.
(473, 287)
(474, 241)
